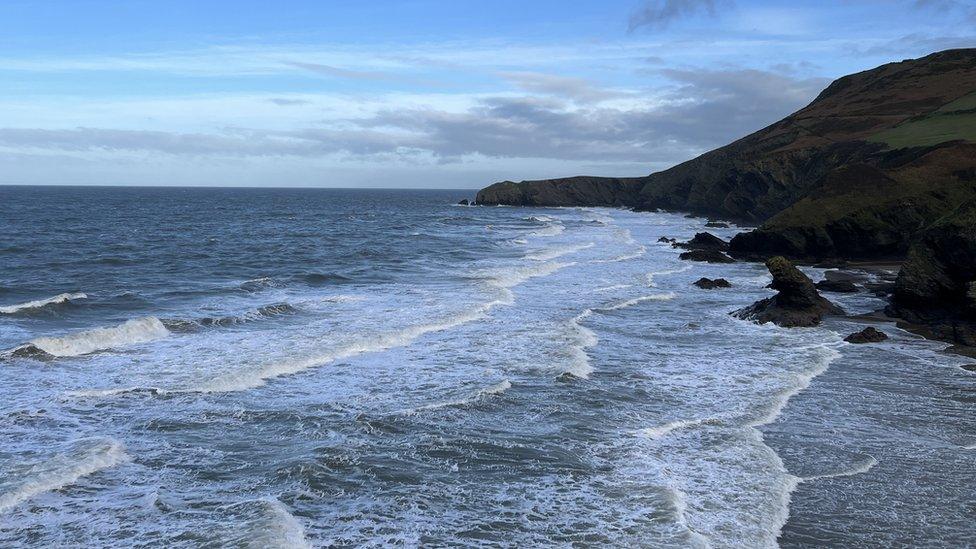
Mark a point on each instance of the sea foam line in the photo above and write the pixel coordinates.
(63, 470)
(553, 253)
(37, 304)
(500, 282)
(585, 338)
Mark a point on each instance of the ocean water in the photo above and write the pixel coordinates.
(305, 368)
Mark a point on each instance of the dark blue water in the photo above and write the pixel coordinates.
(245, 367)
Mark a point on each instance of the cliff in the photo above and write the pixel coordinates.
(873, 160)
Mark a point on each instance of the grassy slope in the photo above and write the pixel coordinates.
(952, 122)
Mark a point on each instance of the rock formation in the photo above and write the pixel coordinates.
(937, 284)
(796, 305)
(709, 284)
(867, 335)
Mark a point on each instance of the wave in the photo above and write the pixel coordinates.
(635, 301)
(41, 303)
(88, 456)
(133, 332)
(321, 279)
(827, 354)
(496, 389)
(584, 338)
(661, 431)
(611, 288)
(254, 315)
(971, 446)
(858, 468)
(650, 276)
(679, 503)
(276, 527)
(559, 251)
(640, 251)
(500, 281)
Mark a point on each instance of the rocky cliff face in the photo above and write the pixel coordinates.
(877, 157)
(570, 191)
(937, 284)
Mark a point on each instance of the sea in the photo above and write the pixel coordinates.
(206, 367)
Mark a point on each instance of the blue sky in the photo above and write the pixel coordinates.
(420, 93)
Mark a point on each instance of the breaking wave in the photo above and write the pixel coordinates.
(496, 389)
(41, 303)
(86, 457)
(133, 332)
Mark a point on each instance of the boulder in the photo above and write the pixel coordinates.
(969, 367)
(463, 202)
(867, 335)
(838, 286)
(666, 240)
(709, 284)
(704, 241)
(708, 256)
(717, 225)
(796, 305)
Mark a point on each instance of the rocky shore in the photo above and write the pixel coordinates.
(880, 167)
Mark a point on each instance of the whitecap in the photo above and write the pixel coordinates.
(493, 390)
(858, 468)
(132, 332)
(40, 303)
(548, 254)
(86, 457)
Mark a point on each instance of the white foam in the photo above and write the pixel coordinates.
(501, 281)
(559, 251)
(858, 468)
(679, 501)
(496, 389)
(971, 446)
(277, 528)
(132, 332)
(611, 288)
(827, 354)
(88, 457)
(650, 276)
(640, 251)
(661, 431)
(635, 301)
(60, 298)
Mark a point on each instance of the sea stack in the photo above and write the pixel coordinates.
(796, 305)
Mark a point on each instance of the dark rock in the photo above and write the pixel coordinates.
(797, 304)
(708, 256)
(969, 367)
(30, 350)
(838, 286)
(709, 284)
(666, 240)
(704, 241)
(717, 225)
(936, 286)
(867, 335)
(463, 202)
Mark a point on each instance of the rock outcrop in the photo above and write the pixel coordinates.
(867, 335)
(837, 286)
(704, 241)
(570, 191)
(710, 284)
(937, 283)
(706, 256)
(796, 305)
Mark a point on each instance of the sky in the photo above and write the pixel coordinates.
(420, 93)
